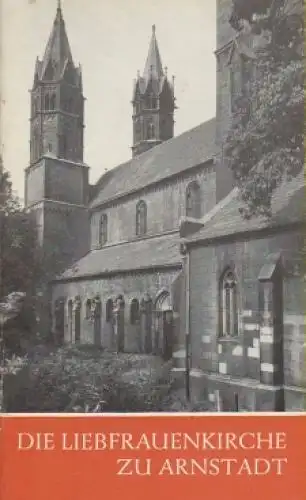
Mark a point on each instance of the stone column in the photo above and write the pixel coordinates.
(119, 323)
(146, 323)
(76, 320)
(59, 321)
(96, 320)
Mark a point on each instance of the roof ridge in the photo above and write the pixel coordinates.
(158, 146)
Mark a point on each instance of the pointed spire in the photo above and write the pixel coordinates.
(59, 13)
(173, 82)
(153, 66)
(58, 50)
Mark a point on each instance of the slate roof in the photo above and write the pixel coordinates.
(153, 67)
(288, 207)
(154, 78)
(130, 256)
(57, 56)
(57, 49)
(192, 148)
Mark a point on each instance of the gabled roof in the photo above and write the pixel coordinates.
(57, 51)
(155, 252)
(288, 207)
(190, 149)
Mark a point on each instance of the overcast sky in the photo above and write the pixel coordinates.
(110, 39)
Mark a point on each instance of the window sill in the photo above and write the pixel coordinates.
(234, 339)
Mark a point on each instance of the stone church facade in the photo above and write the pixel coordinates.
(118, 239)
(245, 348)
(137, 271)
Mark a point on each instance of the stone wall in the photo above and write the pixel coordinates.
(56, 179)
(130, 286)
(225, 32)
(165, 205)
(66, 181)
(237, 361)
(34, 183)
(65, 232)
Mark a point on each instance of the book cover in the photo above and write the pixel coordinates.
(152, 279)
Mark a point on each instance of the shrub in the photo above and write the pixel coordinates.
(83, 379)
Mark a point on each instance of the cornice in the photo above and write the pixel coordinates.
(247, 235)
(175, 266)
(56, 206)
(152, 187)
(68, 163)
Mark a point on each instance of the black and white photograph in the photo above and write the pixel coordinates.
(152, 206)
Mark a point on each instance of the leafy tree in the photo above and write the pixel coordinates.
(8, 201)
(265, 141)
(19, 254)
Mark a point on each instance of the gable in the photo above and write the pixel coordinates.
(69, 72)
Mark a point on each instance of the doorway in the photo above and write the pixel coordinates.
(163, 338)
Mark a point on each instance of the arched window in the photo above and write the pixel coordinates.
(141, 218)
(52, 101)
(228, 304)
(134, 312)
(36, 146)
(137, 130)
(242, 72)
(193, 200)
(47, 102)
(148, 102)
(109, 310)
(150, 131)
(88, 309)
(69, 319)
(138, 107)
(103, 230)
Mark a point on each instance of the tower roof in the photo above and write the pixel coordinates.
(153, 66)
(57, 52)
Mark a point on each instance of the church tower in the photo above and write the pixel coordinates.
(56, 180)
(153, 103)
(57, 102)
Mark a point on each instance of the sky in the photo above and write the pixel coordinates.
(110, 38)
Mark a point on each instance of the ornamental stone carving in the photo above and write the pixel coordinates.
(95, 307)
(76, 306)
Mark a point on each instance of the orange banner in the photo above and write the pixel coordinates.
(196, 456)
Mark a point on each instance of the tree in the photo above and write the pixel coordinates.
(8, 201)
(19, 254)
(264, 145)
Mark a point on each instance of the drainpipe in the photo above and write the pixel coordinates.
(187, 327)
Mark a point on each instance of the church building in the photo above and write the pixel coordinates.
(155, 257)
(119, 239)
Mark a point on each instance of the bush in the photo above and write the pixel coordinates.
(84, 379)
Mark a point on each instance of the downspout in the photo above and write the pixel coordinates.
(187, 327)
